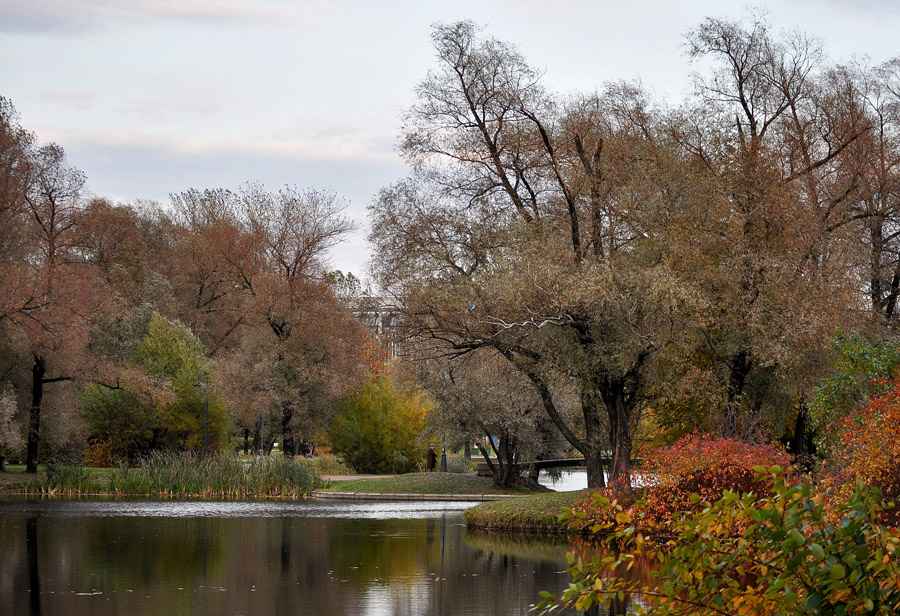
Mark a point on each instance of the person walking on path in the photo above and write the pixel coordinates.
(432, 459)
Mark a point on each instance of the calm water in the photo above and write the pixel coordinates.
(564, 481)
(95, 558)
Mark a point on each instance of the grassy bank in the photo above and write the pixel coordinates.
(167, 474)
(423, 483)
(537, 513)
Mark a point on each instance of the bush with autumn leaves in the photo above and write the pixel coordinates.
(785, 550)
(695, 469)
(868, 450)
(732, 532)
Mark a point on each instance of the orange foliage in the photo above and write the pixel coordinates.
(101, 453)
(868, 449)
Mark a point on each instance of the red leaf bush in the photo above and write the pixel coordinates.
(695, 466)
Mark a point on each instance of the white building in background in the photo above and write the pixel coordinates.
(383, 323)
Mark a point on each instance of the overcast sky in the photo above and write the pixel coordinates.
(150, 97)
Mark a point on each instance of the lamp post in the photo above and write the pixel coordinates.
(199, 385)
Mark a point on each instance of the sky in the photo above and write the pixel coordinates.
(152, 97)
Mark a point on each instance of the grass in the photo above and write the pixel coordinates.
(15, 478)
(423, 483)
(536, 513)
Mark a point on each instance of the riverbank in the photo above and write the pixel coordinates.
(14, 479)
(535, 513)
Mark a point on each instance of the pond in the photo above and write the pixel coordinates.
(98, 557)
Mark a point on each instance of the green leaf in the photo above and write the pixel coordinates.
(814, 601)
(817, 551)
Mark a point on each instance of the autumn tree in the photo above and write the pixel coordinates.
(530, 227)
(377, 429)
(157, 403)
(872, 180)
(770, 134)
(51, 291)
(255, 289)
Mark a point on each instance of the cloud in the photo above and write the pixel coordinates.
(129, 166)
(876, 7)
(77, 16)
(375, 150)
(133, 165)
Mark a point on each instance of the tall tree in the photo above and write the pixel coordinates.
(53, 336)
(771, 133)
(485, 243)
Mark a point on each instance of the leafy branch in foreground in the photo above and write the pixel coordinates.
(788, 552)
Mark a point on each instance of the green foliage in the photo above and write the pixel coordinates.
(170, 351)
(159, 407)
(122, 427)
(786, 553)
(860, 371)
(376, 430)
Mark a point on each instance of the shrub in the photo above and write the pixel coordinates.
(459, 463)
(696, 468)
(781, 553)
(868, 448)
(376, 430)
(860, 371)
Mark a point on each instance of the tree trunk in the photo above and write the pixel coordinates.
(269, 444)
(34, 416)
(257, 437)
(741, 365)
(246, 441)
(287, 431)
(593, 450)
(619, 413)
(593, 463)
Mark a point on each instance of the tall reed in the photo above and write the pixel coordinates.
(184, 474)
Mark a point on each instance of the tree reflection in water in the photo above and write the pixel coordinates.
(299, 559)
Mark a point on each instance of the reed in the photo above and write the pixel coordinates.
(65, 479)
(181, 474)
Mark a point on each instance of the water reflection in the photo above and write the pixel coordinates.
(102, 557)
(562, 480)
